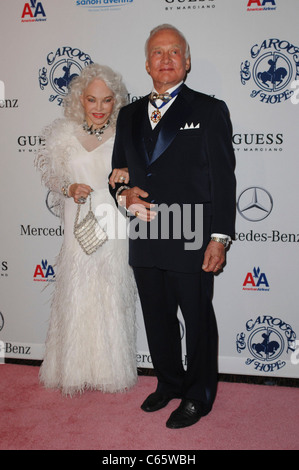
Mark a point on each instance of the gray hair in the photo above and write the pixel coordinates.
(73, 108)
(163, 27)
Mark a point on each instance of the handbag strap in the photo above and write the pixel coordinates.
(79, 208)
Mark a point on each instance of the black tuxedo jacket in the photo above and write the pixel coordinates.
(187, 160)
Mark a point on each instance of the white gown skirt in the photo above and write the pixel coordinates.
(91, 337)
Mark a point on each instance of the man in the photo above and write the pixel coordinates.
(179, 154)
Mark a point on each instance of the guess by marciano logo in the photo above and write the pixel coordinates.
(189, 4)
(33, 11)
(61, 67)
(97, 5)
(3, 268)
(272, 68)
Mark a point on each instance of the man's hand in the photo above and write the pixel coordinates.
(119, 175)
(136, 205)
(214, 257)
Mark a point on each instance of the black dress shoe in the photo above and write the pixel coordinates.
(155, 401)
(187, 414)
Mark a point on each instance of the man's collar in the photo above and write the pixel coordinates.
(170, 90)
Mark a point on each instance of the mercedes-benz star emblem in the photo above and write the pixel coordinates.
(54, 209)
(255, 203)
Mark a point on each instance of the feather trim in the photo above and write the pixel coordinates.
(53, 156)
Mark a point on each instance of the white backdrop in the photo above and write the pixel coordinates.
(244, 52)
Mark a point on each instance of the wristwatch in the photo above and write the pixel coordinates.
(225, 241)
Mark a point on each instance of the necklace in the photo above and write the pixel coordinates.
(97, 132)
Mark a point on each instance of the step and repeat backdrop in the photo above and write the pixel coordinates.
(244, 52)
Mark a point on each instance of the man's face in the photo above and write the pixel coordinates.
(166, 62)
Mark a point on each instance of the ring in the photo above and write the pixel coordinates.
(122, 178)
(136, 213)
(82, 200)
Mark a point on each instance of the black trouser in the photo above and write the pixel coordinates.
(161, 293)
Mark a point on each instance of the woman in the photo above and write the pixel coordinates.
(91, 337)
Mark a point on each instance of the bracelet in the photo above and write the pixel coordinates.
(65, 190)
(120, 190)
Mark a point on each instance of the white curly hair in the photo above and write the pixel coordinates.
(73, 108)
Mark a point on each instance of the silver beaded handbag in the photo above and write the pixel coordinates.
(88, 232)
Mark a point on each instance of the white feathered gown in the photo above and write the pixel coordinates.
(91, 337)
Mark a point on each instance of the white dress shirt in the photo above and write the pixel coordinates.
(163, 110)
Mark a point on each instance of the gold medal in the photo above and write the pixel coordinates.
(156, 116)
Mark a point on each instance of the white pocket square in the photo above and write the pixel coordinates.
(186, 127)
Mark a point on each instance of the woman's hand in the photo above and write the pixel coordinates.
(119, 175)
(79, 192)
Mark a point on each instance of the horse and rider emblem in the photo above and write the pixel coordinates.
(269, 342)
(272, 72)
(62, 74)
(273, 66)
(266, 344)
(62, 66)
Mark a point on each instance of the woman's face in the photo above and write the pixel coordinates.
(98, 102)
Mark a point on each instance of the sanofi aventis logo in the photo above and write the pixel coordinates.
(93, 5)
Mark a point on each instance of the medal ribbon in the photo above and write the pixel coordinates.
(156, 115)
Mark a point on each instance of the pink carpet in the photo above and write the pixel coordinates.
(244, 417)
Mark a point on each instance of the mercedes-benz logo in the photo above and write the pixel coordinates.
(255, 203)
(1, 321)
(54, 209)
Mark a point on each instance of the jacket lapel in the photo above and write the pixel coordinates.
(138, 124)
